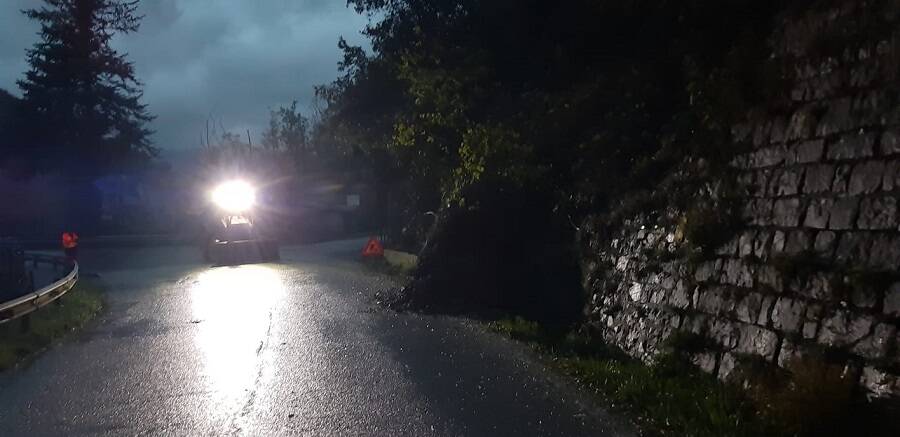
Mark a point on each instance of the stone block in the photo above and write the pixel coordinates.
(761, 244)
(810, 151)
(726, 366)
(787, 314)
(757, 341)
(729, 248)
(862, 75)
(819, 178)
(818, 286)
(878, 382)
(864, 297)
(875, 346)
(801, 125)
(761, 133)
(841, 178)
(786, 212)
(843, 213)
(867, 177)
(813, 312)
(801, 91)
(724, 332)
(741, 132)
(759, 212)
(798, 242)
(636, 292)
(890, 142)
(778, 133)
(737, 272)
(892, 301)
(779, 239)
(708, 270)
(789, 182)
(774, 181)
(853, 146)
(836, 119)
(745, 243)
(768, 157)
(747, 310)
(885, 253)
(790, 351)
(759, 183)
(765, 310)
(843, 328)
(853, 247)
(768, 276)
(715, 301)
(705, 361)
(817, 213)
(869, 107)
(891, 179)
(697, 323)
(667, 282)
(877, 213)
(744, 179)
(809, 330)
(681, 296)
(824, 244)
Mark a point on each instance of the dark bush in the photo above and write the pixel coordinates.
(508, 255)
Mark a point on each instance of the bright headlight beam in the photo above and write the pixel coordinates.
(234, 196)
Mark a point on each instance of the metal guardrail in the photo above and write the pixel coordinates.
(24, 305)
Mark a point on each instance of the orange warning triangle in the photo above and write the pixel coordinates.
(373, 248)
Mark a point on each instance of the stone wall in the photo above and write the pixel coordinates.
(815, 266)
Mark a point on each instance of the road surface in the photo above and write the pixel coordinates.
(295, 348)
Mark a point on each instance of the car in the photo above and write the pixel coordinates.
(235, 240)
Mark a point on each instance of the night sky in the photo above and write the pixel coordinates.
(228, 60)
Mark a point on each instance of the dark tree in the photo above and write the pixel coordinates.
(82, 96)
(289, 132)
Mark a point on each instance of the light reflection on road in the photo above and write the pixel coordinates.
(232, 307)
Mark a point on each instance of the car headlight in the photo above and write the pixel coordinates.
(234, 196)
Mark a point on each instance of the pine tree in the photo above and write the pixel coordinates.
(83, 96)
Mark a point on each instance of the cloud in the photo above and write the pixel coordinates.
(227, 59)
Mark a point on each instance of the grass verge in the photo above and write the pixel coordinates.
(383, 266)
(673, 398)
(667, 398)
(78, 306)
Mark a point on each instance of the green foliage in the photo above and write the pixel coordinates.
(520, 329)
(671, 397)
(707, 226)
(798, 266)
(81, 97)
(865, 280)
(818, 396)
(587, 100)
(288, 132)
(688, 342)
(667, 398)
(79, 305)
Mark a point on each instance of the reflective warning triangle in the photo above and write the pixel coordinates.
(373, 248)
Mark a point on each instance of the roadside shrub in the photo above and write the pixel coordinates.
(817, 396)
(509, 254)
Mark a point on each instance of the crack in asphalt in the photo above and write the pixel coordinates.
(234, 428)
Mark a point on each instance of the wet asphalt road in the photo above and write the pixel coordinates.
(295, 348)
